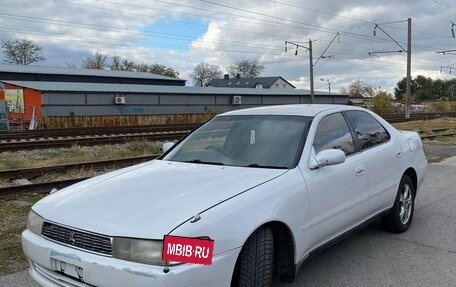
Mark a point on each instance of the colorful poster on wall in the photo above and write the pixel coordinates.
(15, 100)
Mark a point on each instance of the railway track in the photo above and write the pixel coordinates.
(74, 132)
(95, 165)
(416, 117)
(11, 192)
(89, 140)
(38, 139)
(44, 187)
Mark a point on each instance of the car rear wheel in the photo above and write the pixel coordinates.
(255, 264)
(401, 214)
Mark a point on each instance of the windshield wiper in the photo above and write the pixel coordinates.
(204, 162)
(266, 166)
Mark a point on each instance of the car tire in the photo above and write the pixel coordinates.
(256, 260)
(400, 217)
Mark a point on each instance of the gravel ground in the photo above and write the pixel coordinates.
(439, 152)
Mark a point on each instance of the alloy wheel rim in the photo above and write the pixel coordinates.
(405, 204)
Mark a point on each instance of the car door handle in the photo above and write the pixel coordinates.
(360, 171)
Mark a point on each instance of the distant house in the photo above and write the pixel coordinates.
(256, 83)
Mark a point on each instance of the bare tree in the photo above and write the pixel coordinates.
(103, 62)
(358, 89)
(21, 52)
(246, 69)
(204, 72)
(128, 65)
(97, 61)
(115, 63)
(160, 69)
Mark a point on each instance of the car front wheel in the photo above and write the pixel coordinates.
(255, 263)
(401, 214)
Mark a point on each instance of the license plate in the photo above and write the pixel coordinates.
(68, 269)
(187, 250)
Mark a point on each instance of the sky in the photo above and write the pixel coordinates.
(182, 34)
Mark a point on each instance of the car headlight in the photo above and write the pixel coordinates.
(34, 222)
(139, 250)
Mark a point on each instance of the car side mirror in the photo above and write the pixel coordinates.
(167, 146)
(328, 157)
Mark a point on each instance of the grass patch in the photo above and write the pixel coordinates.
(13, 220)
(31, 197)
(76, 154)
(12, 258)
(427, 125)
(437, 158)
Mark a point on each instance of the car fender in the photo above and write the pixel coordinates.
(230, 223)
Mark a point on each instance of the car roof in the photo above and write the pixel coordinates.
(310, 110)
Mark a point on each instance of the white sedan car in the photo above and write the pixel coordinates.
(247, 196)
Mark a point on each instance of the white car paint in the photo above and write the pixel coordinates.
(161, 197)
(141, 193)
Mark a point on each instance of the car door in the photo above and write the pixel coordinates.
(338, 194)
(384, 160)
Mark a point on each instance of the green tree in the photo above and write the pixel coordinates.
(421, 88)
(382, 103)
(246, 69)
(21, 52)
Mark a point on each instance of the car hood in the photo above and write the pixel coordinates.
(150, 199)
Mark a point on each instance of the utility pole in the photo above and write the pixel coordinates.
(409, 68)
(311, 74)
(311, 63)
(329, 83)
(409, 58)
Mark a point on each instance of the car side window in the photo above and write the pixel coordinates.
(368, 130)
(333, 133)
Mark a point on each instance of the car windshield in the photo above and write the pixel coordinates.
(257, 141)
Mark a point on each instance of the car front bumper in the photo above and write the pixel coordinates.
(55, 265)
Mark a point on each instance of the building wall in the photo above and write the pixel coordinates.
(32, 99)
(65, 109)
(98, 109)
(62, 104)
(281, 84)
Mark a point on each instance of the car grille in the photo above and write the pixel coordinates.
(84, 240)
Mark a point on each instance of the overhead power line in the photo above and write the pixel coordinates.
(409, 58)
(452, 28)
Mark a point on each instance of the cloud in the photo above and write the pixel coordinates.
(254, 30)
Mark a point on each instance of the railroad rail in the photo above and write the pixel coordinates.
(71, 132)
(96, 165)
(11, 192)
(39, 143)
(45, 187)
(37, 139)
(439, 132)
